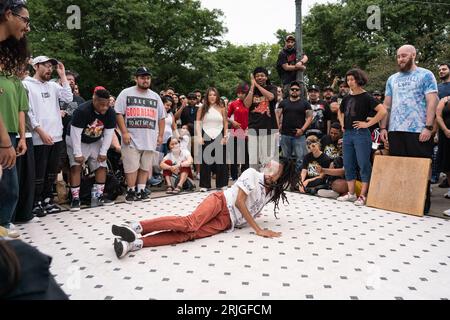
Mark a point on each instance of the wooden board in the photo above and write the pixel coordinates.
(399, 184)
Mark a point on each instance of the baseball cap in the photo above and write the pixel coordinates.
(314, 88)
(290, 37)
(99, 88)
(44, 59)
(143, 71)
(377, 93)
(192, 95)
(328, 88)
(295, 83)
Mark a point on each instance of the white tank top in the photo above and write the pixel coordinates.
(213, 123)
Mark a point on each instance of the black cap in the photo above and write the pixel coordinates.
(192, 95)
(314, 88)
(377, 93)
(296, 83)
(143, 71)
(328, 88)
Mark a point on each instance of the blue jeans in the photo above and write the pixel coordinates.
(294, 145)
(9, 192)
(357, 151)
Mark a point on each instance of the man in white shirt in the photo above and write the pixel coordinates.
(45, 117)
(219, 212)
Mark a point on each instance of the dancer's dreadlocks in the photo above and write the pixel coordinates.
(283, 183)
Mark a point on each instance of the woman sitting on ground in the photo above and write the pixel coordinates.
(176, 161)
(310, 177)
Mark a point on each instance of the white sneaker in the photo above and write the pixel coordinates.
(361, 201)
(447, 213)
(224, 188)
(13, 233)
(324, 193)
(203, 190)
(125, 232)
(123, 247)
(348, 197)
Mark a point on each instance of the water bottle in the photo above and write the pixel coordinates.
(94, 199)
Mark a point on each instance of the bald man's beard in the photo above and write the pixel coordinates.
(408, 65)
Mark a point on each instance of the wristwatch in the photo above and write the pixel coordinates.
(429, 128)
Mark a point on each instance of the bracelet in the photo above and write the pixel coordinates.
(10, 146)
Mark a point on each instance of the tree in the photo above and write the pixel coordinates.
(117, 36)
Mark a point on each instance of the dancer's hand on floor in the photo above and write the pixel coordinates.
(268, 234)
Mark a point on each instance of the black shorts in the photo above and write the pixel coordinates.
(407, 144)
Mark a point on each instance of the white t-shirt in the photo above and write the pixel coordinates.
(183, 156)
(252, 183)
(168, 127)
(142, 112)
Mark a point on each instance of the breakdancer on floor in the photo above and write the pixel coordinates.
(219, 212)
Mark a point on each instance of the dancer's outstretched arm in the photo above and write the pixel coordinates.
(240, 204)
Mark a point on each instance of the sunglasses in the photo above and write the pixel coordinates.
(26, 20)
(295, 89)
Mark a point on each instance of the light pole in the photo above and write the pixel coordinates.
(299, 36)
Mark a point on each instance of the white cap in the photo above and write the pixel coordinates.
(44, 59)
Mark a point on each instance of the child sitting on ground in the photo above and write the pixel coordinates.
(177, 161)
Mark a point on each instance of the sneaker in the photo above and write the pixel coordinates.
(348, 197)
(203, 190)
(143, 196)
(131, 196)
(224, 188)
(75, 205)
(38, 210)
(361, 201)
(324, 193)
(123, 247)
(447, 213)
(104, 201)
(13, 233)
(50, 207)
(125, 232)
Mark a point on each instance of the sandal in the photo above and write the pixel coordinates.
(177, 190)
(169, 190)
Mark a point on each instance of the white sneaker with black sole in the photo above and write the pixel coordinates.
(125, 232)
(123, 247)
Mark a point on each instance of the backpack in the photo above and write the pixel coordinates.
(113, 188)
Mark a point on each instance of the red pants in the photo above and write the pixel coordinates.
(211, 217)
(168, 173)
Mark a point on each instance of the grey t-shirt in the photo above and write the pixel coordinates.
(142, 112)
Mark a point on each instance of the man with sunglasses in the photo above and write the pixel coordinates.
(295, 117)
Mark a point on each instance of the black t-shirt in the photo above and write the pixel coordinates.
(357, 108)
(330, 148)
(262, 111)
(294, 115)
(188, 115)
(289, 57)
(321, 114)
(92, 123)
(310, 163)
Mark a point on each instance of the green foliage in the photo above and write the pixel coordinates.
(180, 42)
(117, 36)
